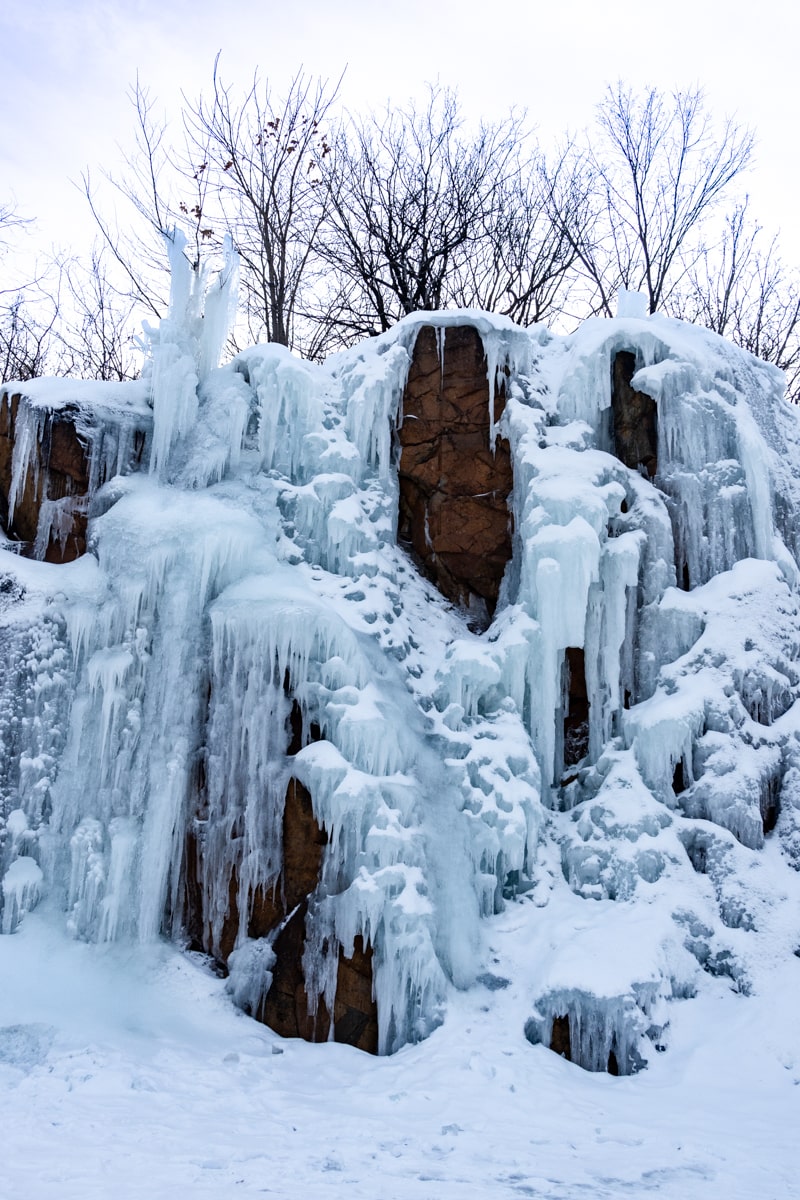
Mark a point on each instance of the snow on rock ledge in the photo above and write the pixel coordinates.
(59, 442)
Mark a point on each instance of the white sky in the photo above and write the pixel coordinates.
(66, 65)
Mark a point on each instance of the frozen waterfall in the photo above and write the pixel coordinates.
(245, 720)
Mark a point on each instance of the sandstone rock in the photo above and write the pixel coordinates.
(576, 709)
(59, 469)
(60, 473)
(560, 1039)
(8, 411)
(635, 419)
(285, 907)
(285, 1008)
(561, 1043)
(454, 490)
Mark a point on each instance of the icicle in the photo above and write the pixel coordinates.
(28, 428)
(186, 346)
(441, 335)
(174, 395)
(372, 391)
(56, 522)
(507, 355)
(22, 884)
(87, 876)
(219, 311)
(117, 904)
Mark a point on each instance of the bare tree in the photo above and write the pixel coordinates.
(94, 336)
(719, 280)
(414, 199)
(262, 163)
(768, 323)
(10, 219)
(522, 264)
(28, 310)
(344, 227)
(29, 327)
(655, 167)
(163, 191)
(741, 288)
(24, 342)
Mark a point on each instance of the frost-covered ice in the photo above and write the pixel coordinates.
(620, 877)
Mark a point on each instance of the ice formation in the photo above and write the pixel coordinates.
(618, 749)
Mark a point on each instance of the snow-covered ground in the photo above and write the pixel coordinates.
(126, 1074)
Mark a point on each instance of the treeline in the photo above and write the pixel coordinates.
(345, 223)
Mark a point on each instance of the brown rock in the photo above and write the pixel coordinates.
(561, 1043)
(635, 419)
(454, 490)
(576, 708)
(560, 1037)
(63, 452)
(8, 407)
(285, 1008)
(303, 843)
(59, 468)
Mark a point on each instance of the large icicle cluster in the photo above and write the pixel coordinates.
(614, 749)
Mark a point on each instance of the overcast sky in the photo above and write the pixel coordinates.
(66, 66)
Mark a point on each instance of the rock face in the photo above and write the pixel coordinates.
(281, 913)
(58, 474)
(51, 507)
(635, 419)
(454, 490)
(576, 707)
(285, 1008)
(561, 1043)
